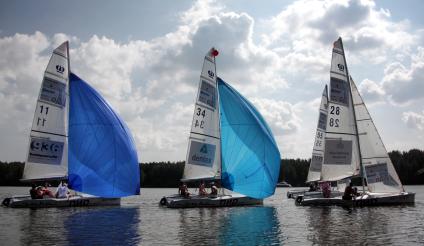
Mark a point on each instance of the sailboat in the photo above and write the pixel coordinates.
(77, 136)
(315, 166)
(353, 147)
(229, 143)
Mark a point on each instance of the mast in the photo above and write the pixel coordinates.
(219, 123)
(68, 98)
(219, 118)
(354, 117)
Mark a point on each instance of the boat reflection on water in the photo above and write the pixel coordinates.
(251, 226)
(74, 226)
(337, 226)
(111, 226)
(229, 226)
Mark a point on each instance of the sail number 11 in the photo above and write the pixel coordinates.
(43, 111)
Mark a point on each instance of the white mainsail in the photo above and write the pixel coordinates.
(204, 145)
(315, 166)
(341, 155)
(380, 173)
(48, 152)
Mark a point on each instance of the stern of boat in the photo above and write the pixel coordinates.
(6, 201)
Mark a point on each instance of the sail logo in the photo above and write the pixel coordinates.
(340, 67)
(53, 92)
(204, 149)
(211, 74)
(379, 173)
(201, 154)
(207, 94)
(338, 152)
(60, 69)
(316, 163)
(45, 151)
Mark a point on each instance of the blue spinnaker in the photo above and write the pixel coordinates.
(250, 156)
(102, 158)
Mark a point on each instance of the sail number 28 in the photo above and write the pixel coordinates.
(334, 110)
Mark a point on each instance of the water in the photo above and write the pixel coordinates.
(140, 220)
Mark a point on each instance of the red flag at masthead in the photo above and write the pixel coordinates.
(214, 52)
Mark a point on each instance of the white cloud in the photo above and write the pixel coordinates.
(371, 90)
(414, 120)
(402, 84)
(281, 116)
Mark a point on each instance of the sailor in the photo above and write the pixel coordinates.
(34, 192)
(202, 189)
(183, 190)
(326, 189)
(214, 189)
(348, 193)
(62, 190)
(44, 191)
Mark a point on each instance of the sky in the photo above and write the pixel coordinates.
(145, 58)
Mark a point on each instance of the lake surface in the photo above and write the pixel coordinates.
(140, 221)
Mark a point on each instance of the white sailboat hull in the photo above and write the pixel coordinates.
(316, 194)
(294, 193)
(177, 201)
(75, 201)
(370, 199)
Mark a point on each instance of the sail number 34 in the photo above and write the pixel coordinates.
(200, 112)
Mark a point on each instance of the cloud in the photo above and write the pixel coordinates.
(303, 32)
(402, 84)
(371, 91)
(414, 120)
(281, 116)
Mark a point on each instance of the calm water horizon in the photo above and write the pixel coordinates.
(141, 221)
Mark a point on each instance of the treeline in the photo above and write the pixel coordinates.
(409, 166)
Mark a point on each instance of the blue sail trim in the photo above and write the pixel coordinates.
(102, 158)
(250, 156)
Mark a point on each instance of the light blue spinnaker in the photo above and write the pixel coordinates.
(102, 158)
(250, 156)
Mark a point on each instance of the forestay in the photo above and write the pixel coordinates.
(47, 153)
(102, 155)
(381, 176)
(315, 166)
(204, 151)
(250, 156)
(341, 155)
